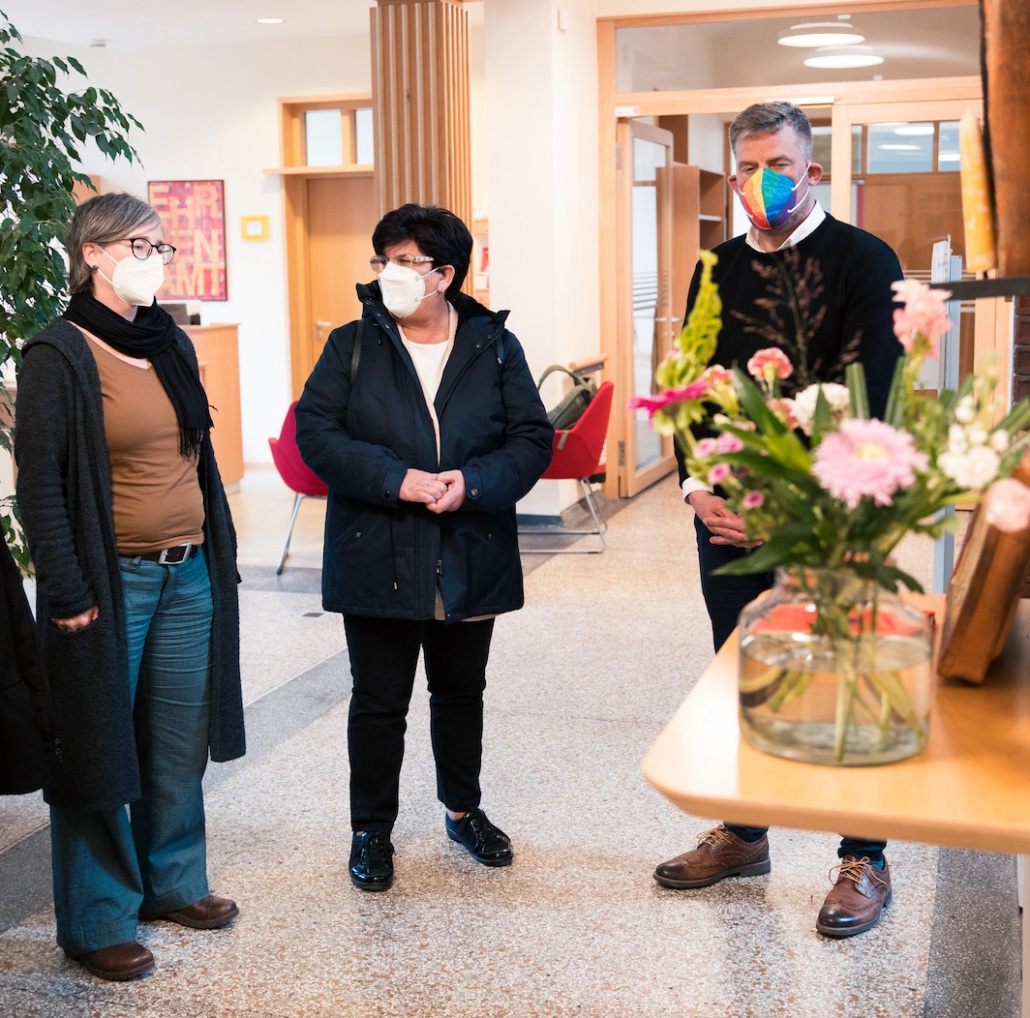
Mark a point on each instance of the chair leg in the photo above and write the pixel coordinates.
(599, 530)
(289, 533)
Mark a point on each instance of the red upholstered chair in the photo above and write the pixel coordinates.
(577, 456)
(295, 472)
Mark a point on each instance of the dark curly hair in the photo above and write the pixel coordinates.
(439, 234)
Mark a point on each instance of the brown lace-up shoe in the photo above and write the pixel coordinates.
(861, 892)
(117, 962)
(207, 914)
(719, 854)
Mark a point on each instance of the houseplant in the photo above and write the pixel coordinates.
(43, 130)
(827, 493)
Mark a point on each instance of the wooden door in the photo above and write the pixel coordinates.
(338, 216)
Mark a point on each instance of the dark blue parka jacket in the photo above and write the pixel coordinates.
(383, 557)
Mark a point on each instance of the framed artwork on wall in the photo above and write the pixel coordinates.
(193, 213)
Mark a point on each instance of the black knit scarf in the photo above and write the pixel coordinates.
(151, 336)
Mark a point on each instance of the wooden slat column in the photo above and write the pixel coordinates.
(420, 91)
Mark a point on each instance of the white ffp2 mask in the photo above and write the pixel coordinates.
(136, 280)
(403, 289)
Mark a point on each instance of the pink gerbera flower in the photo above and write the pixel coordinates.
(729, 442)
(652, 404)
(867, 458)
(718, 473)
(770, 363)
(753, 499)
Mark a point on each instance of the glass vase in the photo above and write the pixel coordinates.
(836, 670)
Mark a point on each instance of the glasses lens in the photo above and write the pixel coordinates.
(378, 263)
(141, 247)
(167, 252)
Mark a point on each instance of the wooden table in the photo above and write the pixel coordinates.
(970, 788)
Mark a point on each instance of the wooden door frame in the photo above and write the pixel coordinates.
(614, 107)
(294, 176)
(630, 481)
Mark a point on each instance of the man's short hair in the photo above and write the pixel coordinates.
(765, 118)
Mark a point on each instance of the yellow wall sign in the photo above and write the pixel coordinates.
(254, 227)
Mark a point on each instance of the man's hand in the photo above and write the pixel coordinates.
(726, 527)
(453, 496)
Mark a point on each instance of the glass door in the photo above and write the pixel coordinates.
(645, 314)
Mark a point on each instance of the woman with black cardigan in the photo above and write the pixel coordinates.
(135, 559)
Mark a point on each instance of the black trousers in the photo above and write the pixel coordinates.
(725, 598)
(383, 657)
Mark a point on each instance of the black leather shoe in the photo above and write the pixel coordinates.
(485, 842)
(371, 861)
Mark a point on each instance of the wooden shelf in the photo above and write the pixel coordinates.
(322, 171)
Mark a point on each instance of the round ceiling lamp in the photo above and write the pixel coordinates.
(843, 56)
(269, 21)
(812, 34)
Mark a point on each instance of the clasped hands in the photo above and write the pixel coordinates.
(439, 493)
(727, 527)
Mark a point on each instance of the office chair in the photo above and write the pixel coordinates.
(295, 472)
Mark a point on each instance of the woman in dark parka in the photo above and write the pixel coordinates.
(423, 419)
(135, 559)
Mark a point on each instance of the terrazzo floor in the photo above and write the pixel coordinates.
(580, 683)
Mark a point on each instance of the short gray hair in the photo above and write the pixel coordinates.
(101, 220)
(765, 118)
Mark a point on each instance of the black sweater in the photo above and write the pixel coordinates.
(857, 271)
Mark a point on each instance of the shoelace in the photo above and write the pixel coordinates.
(854, 870)
(716, 836)
(376, 853)
(481, 827)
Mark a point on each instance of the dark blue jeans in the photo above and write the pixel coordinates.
(725, 598)
(110, 864)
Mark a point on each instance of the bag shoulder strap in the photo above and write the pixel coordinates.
(355, 357)
(559, 367)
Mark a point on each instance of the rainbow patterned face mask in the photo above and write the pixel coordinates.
(767, 196)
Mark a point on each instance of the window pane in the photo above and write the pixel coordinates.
(324, 137)
(900, 148)
(947, 146)
(364, 145)
(856, 150)
(821, 148)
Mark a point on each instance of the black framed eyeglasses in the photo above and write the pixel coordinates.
(142, 249)
(378, 262)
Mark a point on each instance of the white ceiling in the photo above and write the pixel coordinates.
(135, 24)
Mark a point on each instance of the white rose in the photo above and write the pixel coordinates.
(1000, 440)
(974, 470)
(837, 396)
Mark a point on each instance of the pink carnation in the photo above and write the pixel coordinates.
(729, 443)
(785, 409)
(770, 363)
(705, 448)
(718, 473)
(753, 499)
(924, 313)
(867, 458)
(1007, 505)
(716, 373)
(652, 404)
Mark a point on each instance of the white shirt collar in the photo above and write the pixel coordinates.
(805, 228)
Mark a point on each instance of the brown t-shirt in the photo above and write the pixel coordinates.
(155, 491)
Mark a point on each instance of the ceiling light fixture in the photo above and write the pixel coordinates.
(269, 21)
(843, 56)
(812, 34)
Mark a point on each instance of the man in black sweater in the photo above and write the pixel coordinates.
(841, 279)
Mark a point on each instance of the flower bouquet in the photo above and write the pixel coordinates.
(834, 667)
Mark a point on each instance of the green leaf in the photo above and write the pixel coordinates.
(855, 377)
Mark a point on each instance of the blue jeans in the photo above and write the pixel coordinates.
(108, 865)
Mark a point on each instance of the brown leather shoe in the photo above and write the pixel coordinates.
(719, 854)
(205, 914)
(860, 894)
(117, 962)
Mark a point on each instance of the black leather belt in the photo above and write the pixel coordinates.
(170, 556)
